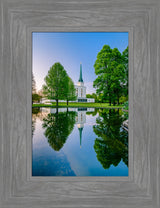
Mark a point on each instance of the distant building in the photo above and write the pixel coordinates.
(81, 90)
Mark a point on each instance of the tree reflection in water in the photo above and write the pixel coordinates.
(111, 146)
(58, 126)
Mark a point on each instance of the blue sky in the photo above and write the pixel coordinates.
(71, 49)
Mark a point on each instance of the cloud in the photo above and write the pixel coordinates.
(89, 88)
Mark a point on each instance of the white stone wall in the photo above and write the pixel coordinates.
(80, 91)
(90, 100)
(81, 117)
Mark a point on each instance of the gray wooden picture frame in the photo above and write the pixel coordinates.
(18, 19)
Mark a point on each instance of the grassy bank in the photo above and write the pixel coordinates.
(88, 105)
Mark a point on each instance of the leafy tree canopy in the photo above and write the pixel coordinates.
(71, 91)
(36, 98)
(110, 67)
(58, 85)
(58, 127)
(55, 83)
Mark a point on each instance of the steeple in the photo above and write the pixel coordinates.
(80, 76)
(80, 135)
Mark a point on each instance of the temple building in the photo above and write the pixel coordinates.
(81, 90)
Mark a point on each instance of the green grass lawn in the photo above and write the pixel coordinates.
(89, 105)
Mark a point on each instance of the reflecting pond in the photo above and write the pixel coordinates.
(79, 142)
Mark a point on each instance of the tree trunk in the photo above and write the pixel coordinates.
(118, 99)
(56, 110)
(57, 102)
(67, 102)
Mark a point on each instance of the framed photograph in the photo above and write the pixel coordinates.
(57, 149)
(80, 111)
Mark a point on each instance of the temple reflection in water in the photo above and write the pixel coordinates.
(80, 118)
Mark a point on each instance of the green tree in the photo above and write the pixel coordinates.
(102, 69)
(117, 82)
(58, 126)
(110, 70)
(33, 84)
(71, 91)
(125, 63)
(36, 98)
(88, 96)
(126, 109)
(34, 94)
(123, 99)
(55, 83)
(93, 95)
(111, 146)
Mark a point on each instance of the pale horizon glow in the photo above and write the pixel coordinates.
(71, 49)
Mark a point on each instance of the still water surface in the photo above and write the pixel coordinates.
(79, 142)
